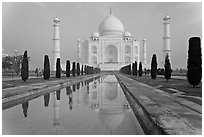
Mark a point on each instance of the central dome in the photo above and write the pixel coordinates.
(111, 26)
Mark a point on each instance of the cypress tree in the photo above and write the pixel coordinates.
(58, 68)
(24, 67)
(129, 69)
(78, 69)
(140, 69)
(167, 68)
(82, 71)
(154, 67)
(73, 69)
(194, 73)
(46, 72)
(135, 68)
(68, 68)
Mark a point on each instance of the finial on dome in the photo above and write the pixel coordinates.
(111, 11)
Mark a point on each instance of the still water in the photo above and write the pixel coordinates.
(96, 106)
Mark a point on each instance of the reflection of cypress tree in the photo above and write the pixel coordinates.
(78, 86)
(74, 88)
(46, 99)
(85, 83)
(70, 103)
(58, 94)
(88, 88)
(25, 108)
(82, 83)
(68, 90)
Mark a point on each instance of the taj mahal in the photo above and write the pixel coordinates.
(111, 47)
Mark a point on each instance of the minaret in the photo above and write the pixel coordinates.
(78, 51)
(56, 40)
(166, 39)
(144, 52)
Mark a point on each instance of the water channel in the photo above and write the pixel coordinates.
(93, 107)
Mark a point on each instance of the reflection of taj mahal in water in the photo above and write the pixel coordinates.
(111, 47)
(103, 96)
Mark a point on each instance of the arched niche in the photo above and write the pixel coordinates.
(136, 50)
(94, 60)
(127, 49)
(111, 54)
(94, 50)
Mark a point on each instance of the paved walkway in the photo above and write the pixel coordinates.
(161, 111)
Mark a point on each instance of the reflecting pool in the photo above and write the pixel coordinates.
(97, 106)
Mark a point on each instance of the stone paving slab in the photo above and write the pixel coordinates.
(171, 114)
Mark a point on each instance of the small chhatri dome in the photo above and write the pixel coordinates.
(127, 34)
(95, 34)
(166, 17)
(111, 26)
(56, 20)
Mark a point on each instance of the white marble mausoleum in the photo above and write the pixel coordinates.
(111, 47)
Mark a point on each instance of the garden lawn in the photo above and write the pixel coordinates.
(171, 86)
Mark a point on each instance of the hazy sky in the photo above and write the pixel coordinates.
(29, 26)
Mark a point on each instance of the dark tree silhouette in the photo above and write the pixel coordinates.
(58, 68)
(194, 73)
(68, 68)
(58, 92)
(167, 68)
(46, 100)
(154, 67)
(78, 69)
(24, 68)
(46, 72)
(135, 68)
(82, 71)
(140, 69)
(73, 69)
(25, 108)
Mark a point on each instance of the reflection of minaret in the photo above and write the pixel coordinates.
(166, 39)
(78, 51)
(56, 39)
(56, 107)
(25, 108)
(144, 52)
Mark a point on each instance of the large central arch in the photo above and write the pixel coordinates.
(111, 54)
